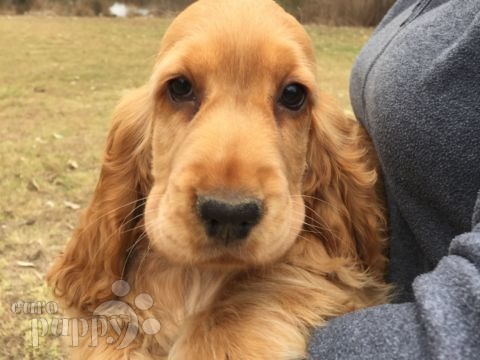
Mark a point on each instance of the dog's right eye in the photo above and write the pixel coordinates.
(181, 89)
(293, 97)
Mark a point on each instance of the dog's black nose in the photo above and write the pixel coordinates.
(226, 221)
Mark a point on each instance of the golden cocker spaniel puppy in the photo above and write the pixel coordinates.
(233, 193)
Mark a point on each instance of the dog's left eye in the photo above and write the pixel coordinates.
(293, 96)
(181, 89)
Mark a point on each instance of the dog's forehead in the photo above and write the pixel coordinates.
(233, 16)
(241, 36)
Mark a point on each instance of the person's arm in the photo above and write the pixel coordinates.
(442, 323)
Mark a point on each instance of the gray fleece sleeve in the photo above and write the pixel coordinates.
(442, 323)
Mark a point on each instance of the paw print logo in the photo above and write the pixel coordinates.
(116, 314)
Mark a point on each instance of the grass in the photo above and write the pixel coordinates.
(57, 91)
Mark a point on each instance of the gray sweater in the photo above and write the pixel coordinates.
(416, 89)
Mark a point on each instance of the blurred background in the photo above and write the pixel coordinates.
(64, 64)
(330, 12)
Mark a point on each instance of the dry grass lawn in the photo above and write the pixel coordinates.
(59, 81)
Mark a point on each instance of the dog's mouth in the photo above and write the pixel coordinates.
(223, 227)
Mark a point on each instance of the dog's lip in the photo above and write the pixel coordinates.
(223, 260)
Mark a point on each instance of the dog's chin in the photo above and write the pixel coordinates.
(224, 262)
(242, 260)
(206, 260)
(241, 257)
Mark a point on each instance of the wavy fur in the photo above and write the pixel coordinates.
(318, 252)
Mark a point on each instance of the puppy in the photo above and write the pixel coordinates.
(233, 194)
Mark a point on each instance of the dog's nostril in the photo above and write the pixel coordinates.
(228, 221)
(213, 225)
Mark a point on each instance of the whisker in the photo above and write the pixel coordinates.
(97, 219)
(321, 227)
(320, 200)
(141, 199)
(142, 236)
(146, 252)
(122, 232)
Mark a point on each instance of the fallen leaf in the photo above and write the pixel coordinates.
(25, 264)
(71, 205)
(72, 164)
(33, 185)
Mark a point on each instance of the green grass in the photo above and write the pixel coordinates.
(59, 81)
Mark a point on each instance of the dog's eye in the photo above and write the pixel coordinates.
(293, 96)
(181, 89)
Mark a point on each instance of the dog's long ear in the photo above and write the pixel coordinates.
(343, 203)
(94, 257)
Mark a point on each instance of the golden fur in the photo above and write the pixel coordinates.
(316, 254)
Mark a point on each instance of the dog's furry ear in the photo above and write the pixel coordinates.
(94, 257)
(343, 203)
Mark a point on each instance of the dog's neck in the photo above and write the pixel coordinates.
(175, 286)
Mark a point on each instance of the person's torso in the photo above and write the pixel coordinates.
(416, 88)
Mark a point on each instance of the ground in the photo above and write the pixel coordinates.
(59, 81)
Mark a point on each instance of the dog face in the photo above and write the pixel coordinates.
(233, 100)
(238, 156)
